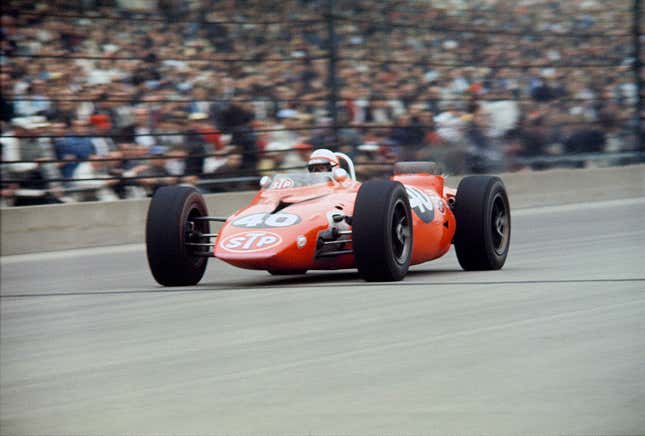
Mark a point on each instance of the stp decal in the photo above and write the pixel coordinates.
(249, 242)
(263, 219)
(283, 183)
(421, 204)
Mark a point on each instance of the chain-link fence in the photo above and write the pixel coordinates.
(111, 99)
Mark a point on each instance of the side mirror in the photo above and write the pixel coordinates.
(340, 175)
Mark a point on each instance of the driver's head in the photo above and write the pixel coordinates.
(322, 160)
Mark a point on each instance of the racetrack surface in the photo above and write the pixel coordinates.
(552, 344)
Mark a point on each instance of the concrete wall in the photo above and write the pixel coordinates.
(64, 226)
(59, 227)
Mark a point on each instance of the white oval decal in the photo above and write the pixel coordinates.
(248, 242)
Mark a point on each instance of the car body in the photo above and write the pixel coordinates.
(296, 223)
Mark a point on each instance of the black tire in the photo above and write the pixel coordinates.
(288, 272)
(171, 262)
(483, 214)
(382, 231)
(416, 167)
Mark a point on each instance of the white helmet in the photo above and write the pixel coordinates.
(322, 160)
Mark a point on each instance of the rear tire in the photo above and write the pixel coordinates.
(483, 215)
(382, 231)
(170, 214)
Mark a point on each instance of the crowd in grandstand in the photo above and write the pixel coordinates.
(206, 91)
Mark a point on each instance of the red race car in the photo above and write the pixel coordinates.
(328, 221)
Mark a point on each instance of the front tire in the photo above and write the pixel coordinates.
(382, 231)
(483, 217)
(169, 227)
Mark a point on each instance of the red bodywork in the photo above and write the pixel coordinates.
(266, 234)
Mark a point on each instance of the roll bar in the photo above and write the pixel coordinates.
(350, 164)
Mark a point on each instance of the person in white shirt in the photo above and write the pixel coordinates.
(93, 189)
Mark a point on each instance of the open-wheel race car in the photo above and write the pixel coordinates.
(329, 221)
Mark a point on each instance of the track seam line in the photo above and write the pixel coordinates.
(293, 286)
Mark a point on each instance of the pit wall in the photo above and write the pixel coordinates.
(67, 226)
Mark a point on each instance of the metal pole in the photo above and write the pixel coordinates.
(333, 83)
(638, 66)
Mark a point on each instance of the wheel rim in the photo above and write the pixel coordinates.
(191, 229)
(500, 226)
(400, 233)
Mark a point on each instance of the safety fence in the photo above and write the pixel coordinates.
(218, 97)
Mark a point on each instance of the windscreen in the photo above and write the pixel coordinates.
(284, 181)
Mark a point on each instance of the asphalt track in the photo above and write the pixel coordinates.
(552, 344)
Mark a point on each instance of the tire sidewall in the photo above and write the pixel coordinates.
(398, 269)
(372, 231)
(169, 258)
(474, 243)
(496, 190)
(195, 201)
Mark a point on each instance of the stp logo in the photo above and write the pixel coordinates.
(249, 242)
(283, 183)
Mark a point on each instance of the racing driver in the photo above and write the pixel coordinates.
(322, 160)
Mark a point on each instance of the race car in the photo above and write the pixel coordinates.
(328, 220)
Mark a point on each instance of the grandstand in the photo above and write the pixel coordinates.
(111, 99)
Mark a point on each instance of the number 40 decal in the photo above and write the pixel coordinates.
(260, 220)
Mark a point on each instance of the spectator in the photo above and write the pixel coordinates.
(372, 160)
(35, 102)
(153, 174)
(88, 186)
(142, 128)
(297, 157)
(33, 173)
(145, 78)
(74, 147)
(237, 120)
(102, 142)
(230, 168)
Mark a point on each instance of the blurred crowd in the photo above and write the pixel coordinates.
(102, 101)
